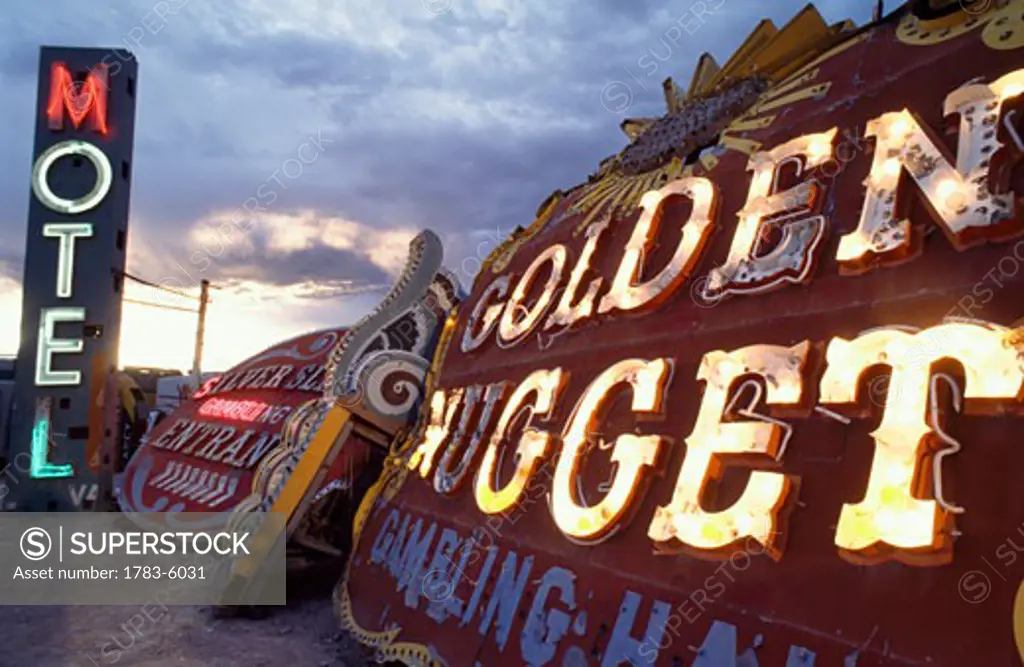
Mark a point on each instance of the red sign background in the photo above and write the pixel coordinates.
(203, 457)
(524, 594)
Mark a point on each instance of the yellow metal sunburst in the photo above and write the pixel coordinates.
(788, 58)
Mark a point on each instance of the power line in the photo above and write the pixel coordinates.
(153, 304)
(156, 286)
(203, 299)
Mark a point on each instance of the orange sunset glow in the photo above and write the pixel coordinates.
(241, 321)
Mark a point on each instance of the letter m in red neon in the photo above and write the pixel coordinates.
(78, 98)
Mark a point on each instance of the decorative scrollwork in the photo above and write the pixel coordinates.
(423, 262)
(376, 371)
(388, 383)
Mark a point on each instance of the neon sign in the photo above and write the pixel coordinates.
(246, 411)
(79, 100)
(41, 468)
(76, 101)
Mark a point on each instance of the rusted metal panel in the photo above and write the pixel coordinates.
(433, 580)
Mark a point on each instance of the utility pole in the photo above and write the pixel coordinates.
(197, 357)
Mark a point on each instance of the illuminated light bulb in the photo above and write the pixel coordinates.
(544, 386)
(861, 527)
(947, 187)
(887, 521)
(756, 514)
(892, 495)
(953, 189)
(895, 473)
(651, 199)
(1012, 90)
(891, 167)
(701, 190)
(899, 127)
(889, 515)
(744, 270)
(819, 150)
(584, 525)
(852, 247)
(762, 181)
(951, 194)
(627, 292)
(745, 524)
(632, 453)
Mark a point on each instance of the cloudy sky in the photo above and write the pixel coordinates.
(456, 115)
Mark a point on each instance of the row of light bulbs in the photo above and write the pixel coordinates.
(959, 194)
(889, 522)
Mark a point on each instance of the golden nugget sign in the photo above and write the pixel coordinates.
(720, 403)
(903, 513)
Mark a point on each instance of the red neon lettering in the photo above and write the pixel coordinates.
(246, 411)
(79, 99)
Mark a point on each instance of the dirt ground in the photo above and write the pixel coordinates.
(303, 634)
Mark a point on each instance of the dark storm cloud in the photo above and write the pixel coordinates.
(294, 60)
(462, 122)
(316, 263)
(471, 183)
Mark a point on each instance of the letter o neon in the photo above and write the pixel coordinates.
(92, 199)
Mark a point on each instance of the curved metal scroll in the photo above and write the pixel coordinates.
(375, 375)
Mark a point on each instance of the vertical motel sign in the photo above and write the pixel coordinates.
(74, 263)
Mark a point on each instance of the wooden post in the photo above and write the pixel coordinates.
(197, 357)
